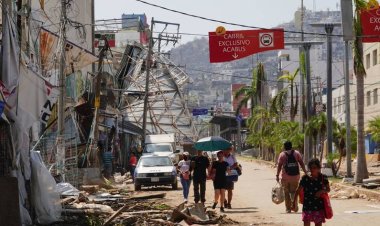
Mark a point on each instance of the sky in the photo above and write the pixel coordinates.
(259, 13)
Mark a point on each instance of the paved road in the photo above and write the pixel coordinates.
(252, 202)
(253, 190)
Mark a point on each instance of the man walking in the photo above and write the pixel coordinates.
(199, 165)
(288, 164)
(232, 163)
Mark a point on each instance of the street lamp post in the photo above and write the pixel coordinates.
(329, 29)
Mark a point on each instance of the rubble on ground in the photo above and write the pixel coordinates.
(118, 206)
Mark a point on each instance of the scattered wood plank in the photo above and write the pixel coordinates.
(147, 212)
(113, 216)
(67, 200)
(154, 196)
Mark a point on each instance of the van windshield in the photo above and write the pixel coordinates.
(151, 148)
(155, 161)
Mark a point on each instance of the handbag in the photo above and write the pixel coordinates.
(239, 170)
(186, 175)
(233, 176)
(327, 204)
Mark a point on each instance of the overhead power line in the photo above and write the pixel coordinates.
(229, 23)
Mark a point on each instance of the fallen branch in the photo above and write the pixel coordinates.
(110, 219)
(154, 196)
(67, 200)
(148, 212)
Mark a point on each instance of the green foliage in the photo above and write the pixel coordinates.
(303, 63)
(278, 102)
(252, 92)
(374, 128)
(92, 220)
(293, 106)
(331, 157)
(273, 134)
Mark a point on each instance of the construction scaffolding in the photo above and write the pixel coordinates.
(47, 146)
(167, 108)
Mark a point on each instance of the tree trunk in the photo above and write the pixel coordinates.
(361, 166)
(291, 103)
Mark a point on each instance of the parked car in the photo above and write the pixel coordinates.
(155, 170)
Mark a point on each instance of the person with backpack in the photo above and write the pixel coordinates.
(288, 165)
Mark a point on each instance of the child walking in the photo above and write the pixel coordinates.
(313, 187)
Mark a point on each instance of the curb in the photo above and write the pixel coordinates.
(271, 164)
(370, 194)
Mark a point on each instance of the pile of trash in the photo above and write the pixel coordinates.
(92, 205)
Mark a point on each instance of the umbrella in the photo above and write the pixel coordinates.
(212, 144)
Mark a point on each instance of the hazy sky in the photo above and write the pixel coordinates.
(262, 13)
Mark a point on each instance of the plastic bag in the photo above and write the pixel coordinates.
(327, 204)
(278, 196)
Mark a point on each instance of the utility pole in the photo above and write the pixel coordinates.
(329, 29)
(347, 108)
(302, 76)
(103, 45)
(309, 104)
(348, 35)
(161, 37)
(61, 101)
(146, 97)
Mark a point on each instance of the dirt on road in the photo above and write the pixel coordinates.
(252, 204)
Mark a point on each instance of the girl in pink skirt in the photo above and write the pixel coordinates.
(313, 187)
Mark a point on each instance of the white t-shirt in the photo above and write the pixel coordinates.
(184, 166)
(230, 159)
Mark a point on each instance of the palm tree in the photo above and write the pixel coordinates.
(361, 166)
(339, 140)
(252, 93)
(374, 128)
(278, 102)
(316, 127)
(290, 78)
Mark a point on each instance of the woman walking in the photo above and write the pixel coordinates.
(185, 175)
(313, 186)
(219, 170)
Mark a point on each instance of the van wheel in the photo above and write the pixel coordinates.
(175, 185)
(137, 187)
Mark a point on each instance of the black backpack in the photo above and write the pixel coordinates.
(291, 165)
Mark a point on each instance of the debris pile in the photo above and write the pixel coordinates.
(94, 206)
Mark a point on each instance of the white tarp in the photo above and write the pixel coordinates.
(45, 197)
(10, 55)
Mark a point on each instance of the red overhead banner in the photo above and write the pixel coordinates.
(370, 20)
(233, 45)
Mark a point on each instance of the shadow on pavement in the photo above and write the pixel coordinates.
(241, 211)
(245, 208)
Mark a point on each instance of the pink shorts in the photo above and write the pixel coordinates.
(314, 216)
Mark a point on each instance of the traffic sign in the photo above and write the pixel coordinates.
(370, 20)
(220, 30)
(266, 40)
(235, 45)
(239, 118)
(200, 111)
